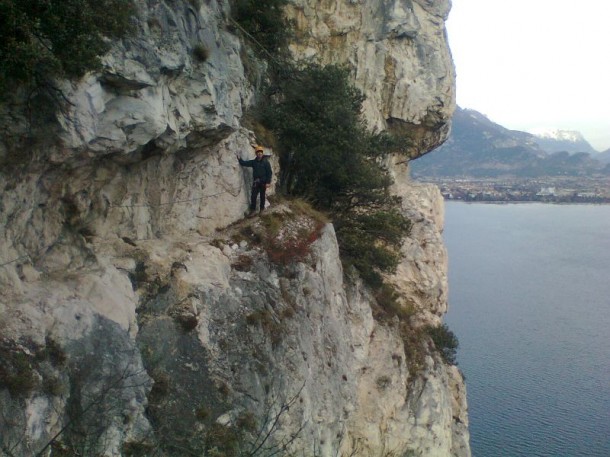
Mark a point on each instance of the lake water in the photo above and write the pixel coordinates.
(529, 297)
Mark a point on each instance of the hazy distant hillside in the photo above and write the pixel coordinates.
(478, 147)
(603, 157)
(562, 141)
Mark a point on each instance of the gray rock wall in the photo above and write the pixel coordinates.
(140, 315)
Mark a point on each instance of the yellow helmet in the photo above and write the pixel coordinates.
(259, 149)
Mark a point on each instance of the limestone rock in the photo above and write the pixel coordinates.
(422, 274)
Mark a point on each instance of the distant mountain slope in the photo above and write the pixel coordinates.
(478, 147)
(562, 141)
(603, 157)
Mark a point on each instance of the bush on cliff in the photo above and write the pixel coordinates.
(445, 342)
(329, 158)
(45, 39)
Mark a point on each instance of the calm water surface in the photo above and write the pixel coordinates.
(529, 295)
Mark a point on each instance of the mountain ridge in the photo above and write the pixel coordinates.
(557, 140)
(479, 147)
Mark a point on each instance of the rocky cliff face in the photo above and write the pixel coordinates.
(141, 315)
(397, 50)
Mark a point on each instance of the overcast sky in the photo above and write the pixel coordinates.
(531, 64)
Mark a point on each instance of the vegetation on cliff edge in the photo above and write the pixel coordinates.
(45, 39)
(328, 157)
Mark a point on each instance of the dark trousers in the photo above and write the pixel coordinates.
(257, 188)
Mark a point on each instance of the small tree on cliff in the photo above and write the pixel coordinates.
(328, 157)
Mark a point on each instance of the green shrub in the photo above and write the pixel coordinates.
(387, 298)
(413, 339)
(383, 382)
(45, 39)
(319, 133)
(328, 157)
(371, 242)
(445, 342)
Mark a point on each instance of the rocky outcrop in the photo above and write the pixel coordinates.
(140, 315)
(397, 51)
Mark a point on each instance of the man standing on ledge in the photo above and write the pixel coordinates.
(261, 175)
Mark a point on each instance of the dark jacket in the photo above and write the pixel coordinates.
(261, 169)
